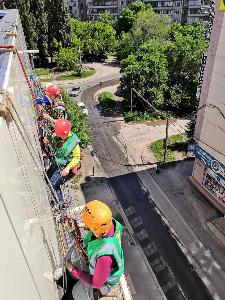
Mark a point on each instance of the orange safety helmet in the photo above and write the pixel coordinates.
(97, 216)
(62, 128)
(52, 90)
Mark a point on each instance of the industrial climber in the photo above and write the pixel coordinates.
(51, 104)
(102, 244)
(66, 160)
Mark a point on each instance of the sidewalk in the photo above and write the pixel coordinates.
(185, 212)
(193, 207)
(101, 70)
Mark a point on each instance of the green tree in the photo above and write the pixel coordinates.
(184, 57)
(106, 18)
(96, 39)
(38, 12)
(146, 26)
(67, 59)
(27, 19)
(149, 25)
(146, 71)
(58, 23)
(125, 20)
(128, 15)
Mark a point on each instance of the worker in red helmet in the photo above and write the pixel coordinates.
(52, 104)
(67, 156)
(58, 108)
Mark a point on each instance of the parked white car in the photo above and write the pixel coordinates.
(83, 107)
(75, 91)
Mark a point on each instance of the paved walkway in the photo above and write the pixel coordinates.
(102, 70)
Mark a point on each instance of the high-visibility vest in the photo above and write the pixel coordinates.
(64, 155)
(58, 110)
(96, 248)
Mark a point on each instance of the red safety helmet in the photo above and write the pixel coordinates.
(62, 128)
(52, 90)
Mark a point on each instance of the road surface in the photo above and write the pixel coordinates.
(122, 186)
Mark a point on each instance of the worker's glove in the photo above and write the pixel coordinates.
(45, 141)
(65, 172)
(69, 266)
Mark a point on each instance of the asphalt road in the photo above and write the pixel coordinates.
(173, 272)
(141, 280)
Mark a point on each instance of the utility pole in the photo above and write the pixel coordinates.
(166, 141)
(80, 62)
(167, 122)
(131, 96)
(131, 100)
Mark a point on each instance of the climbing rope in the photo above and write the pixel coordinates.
(61, 228)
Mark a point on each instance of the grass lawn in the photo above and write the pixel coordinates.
(46, 75)
(71, 75)
(42, 71)
(176, 146)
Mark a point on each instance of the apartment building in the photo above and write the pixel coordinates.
(78, 9)
(209, 167)
(95, 7)
(185, 11)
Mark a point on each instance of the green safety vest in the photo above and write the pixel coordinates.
(64, 154)
(96, 248)
(58, 110)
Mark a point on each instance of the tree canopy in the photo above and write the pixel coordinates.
(43, 21)
(97, 39)
(161, 60)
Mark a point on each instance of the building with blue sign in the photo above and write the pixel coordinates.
(208, 174)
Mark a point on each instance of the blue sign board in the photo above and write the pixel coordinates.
(210, 161)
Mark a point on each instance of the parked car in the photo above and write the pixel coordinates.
(75, 91)
(83, 107)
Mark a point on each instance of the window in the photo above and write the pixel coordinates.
(166, 12)
(205, 2)
(194, 11)
(167, 3)
(176, 12)
(204, 11)
(177, 3)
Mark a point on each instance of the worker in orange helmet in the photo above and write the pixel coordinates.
(67, 156)
(102, 244)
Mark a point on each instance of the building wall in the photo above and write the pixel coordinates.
(180, 11)
(210, 125)
(28, 244)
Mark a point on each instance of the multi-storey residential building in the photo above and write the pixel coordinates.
(185, 11)
(78, 9)
(95, 7)
(209, 167)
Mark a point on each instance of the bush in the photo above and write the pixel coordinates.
(176, 143)
(106, 100)
(78, 120)
(142, 117)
